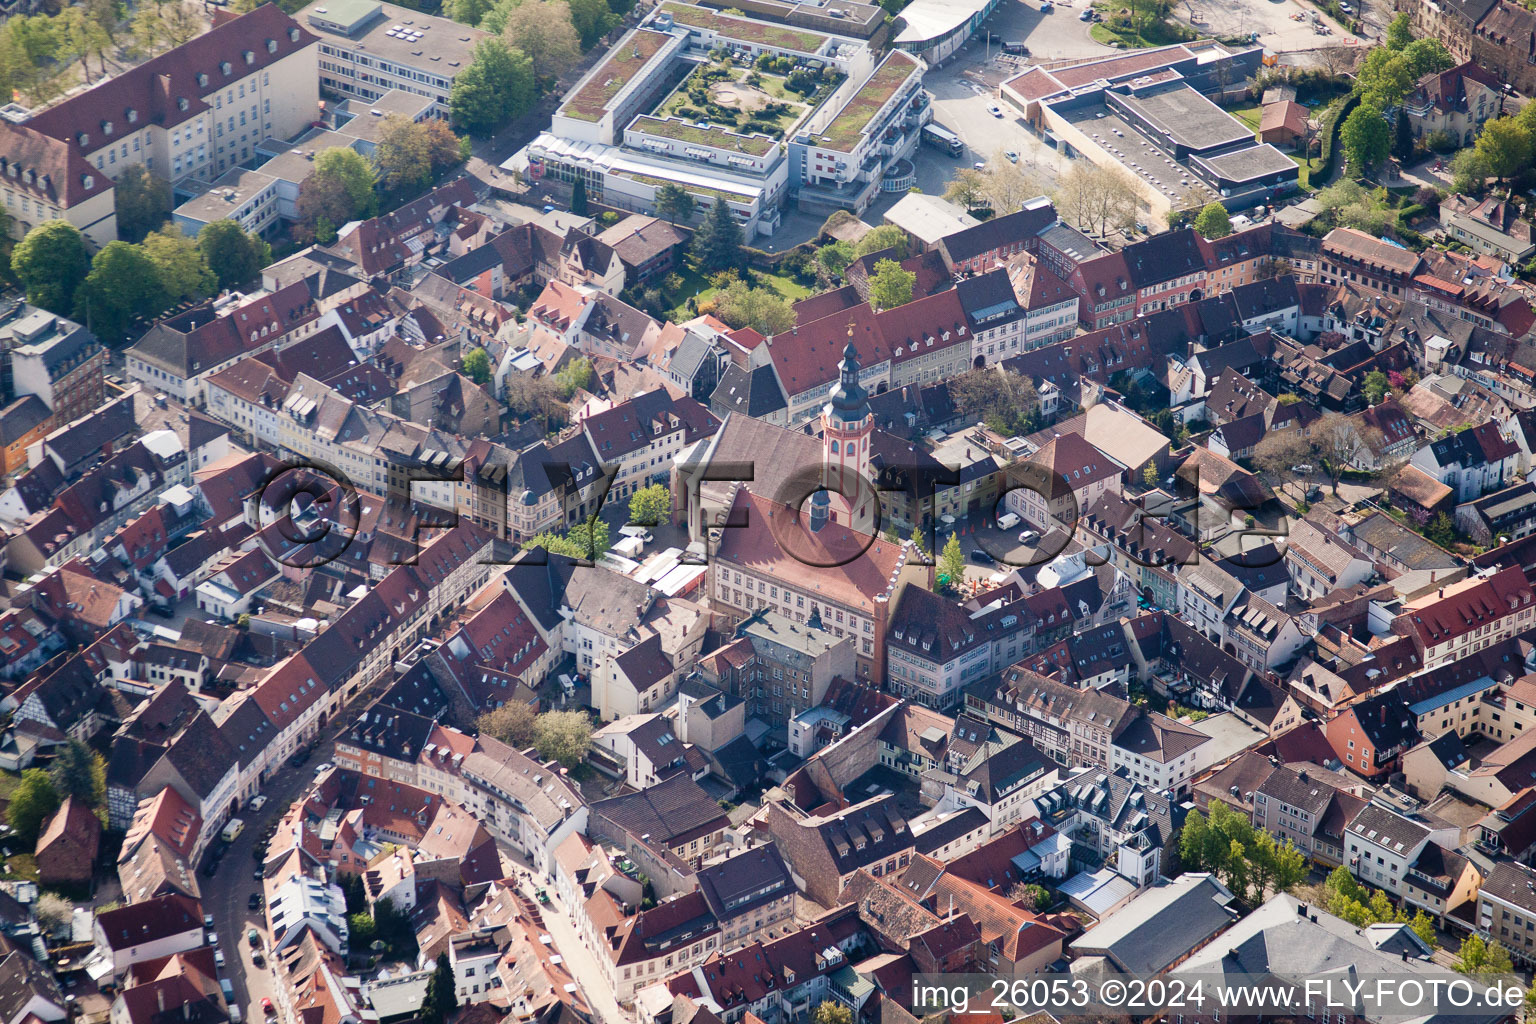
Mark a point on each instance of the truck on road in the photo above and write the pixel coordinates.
(943, 138)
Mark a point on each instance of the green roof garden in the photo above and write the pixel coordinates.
(763, 34)
(625, 62)
(713, 137)
(844, 131)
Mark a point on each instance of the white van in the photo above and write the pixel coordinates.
(1008, 521)
(232, 830)
(257, 802)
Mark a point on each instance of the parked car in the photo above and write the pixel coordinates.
(1028, 537)
(255, 902)
(254, 938)
(259, 873)
(1013, 157)
(211, 865)
(266, 1006)
(218, 959)
(323, 767)
(981, 557)
(995, 110)
(257, 802)
(299, 757)
(1085, 16)
(257, 960)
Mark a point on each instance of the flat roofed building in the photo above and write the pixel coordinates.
(369, 48)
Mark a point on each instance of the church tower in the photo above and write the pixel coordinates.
(846, 426)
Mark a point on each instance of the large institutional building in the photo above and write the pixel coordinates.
(191, 113)
(662, 110)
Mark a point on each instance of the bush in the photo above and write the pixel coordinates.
(1441, 141)
(1332, 119)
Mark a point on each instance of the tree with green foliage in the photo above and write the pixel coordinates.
(143, 202)
(1402, 139)
(1506, 146)
(579, 197)
(829, 1011)
(592, 20)
(968, 188)
(33, 800)
(512, 723)
(121, 287)
(1213, 221)
(496, 86)
(586, 540)
(442, 999)
(563, 736)
(467, 12)
(674, 202)
(650, 505)
(1006, 402)
(404, 153)
(476, 365)
(180, 265)
(1440, 530)
(717, 242)
(234, 255)
(762, 309)
(834, 257)
(1400, 32)
(545, 32)
(574, 376)
(952, 562)
(1481, 957)
(50, 263)
(1424, 927)
(886, 236)
(354, 173)
(1376, 386)
(1250, 861)
(891, 285)
(1366, 136)
(1470, 171)
(78, 771)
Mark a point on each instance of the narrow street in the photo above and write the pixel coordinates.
(562, 930)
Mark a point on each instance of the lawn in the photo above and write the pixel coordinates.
(696, 285)
(1152, 33)
(1307, 169)
(1249, 116)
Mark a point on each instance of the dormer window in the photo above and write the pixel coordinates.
(250, 56)
(106, 127)
(84, 139)
(271, 45)
(132, 116)
(293, 35)
(181, 103)
(226, 67)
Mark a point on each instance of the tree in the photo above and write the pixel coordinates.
(952, 562)
(563, 736)
(1276, 453)
(1375, 387)
(1366, 137)
(441, 1000)
(592, 19)
(1213, 221)
(234, 255)
(1506, 146)
(1341, 445)
(1100, 200)
(579, 197)
(1440, 530)
(1402, 139)
(476, 365)
(834, 258)
(1400, 32)
(511, 723)
(84, 35)
(143, 202)
(1424, 927)
(891, 286)
(444, 148)
(650, 505)
(355, 174)
(467, 12)
(529, 397)
(1149, 478)
(1470, 171)
(1006, 402)
(717, 242)
(762, 309)
(496, 86)
(50, 263)
(32, 802)
(674, 202)
(574, 376)
(1482, 957)
(323, 203)
(968, 188)
(180, 265)
(1006, 184)
(829, 1011)
(54, 912)
(404, 154)
(545, 33)
(121, 287)
(882, 238)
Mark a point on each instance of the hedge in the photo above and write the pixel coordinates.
(1332, 119)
